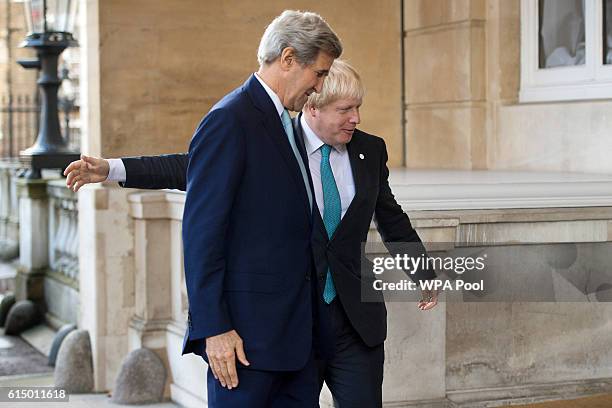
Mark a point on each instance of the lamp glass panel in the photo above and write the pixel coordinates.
(37, 13)
(61, 15)
(28, 15)
(53, 14)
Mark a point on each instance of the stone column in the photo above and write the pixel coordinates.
(445, 74)
(153, 284)
(33, 239)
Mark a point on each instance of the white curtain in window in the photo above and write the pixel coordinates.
(562, 33)
(608, 25)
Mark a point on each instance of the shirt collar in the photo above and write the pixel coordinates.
(312, 141)
(275, 99)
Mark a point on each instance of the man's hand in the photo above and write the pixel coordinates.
(429, 300)
(222, 351)
(85, 171)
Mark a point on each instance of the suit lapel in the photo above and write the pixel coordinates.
(299, 138)
(276, 132)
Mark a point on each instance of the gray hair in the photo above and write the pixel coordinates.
(306, 32)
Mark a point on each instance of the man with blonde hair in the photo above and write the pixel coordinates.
(349, 178)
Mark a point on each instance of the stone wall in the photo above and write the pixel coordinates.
(445, 83)
(162, 65)
(12, 19)
(462, 86)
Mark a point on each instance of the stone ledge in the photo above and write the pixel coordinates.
(490, 189)
(528, 394)
(419, 191)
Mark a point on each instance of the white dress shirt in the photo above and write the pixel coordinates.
(340, 164)
(117, 168)
(277, 102)
(116, 171)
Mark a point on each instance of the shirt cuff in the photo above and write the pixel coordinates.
(116, 171)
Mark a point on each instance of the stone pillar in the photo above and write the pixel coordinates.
(445, 74)
(153, 283)
(33, 239)
(152, 256)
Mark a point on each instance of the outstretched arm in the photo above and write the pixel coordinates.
(147, 172)
(156, 172)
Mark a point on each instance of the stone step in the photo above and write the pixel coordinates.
(40, 337)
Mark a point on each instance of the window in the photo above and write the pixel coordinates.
(566, 50)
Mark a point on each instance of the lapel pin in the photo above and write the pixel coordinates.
(361, 156)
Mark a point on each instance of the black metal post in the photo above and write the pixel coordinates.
(50, 150)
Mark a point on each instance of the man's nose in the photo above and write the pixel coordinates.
(355, 117)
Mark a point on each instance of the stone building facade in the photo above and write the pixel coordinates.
(473, 162)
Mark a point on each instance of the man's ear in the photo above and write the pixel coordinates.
(312, 111)
(287, 58)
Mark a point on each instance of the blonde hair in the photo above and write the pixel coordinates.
(306, 32)
(342, 82)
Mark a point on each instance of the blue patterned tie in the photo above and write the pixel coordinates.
(288, 125)
(332, 212)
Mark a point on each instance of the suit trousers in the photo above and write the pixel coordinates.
(267, 389)
(354, 375)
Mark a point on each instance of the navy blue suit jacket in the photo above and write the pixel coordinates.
(246, 234)
(342, 254)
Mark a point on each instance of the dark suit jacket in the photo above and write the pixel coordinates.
(246, 234)
(156, 172)
(373, 198)
(351, 271)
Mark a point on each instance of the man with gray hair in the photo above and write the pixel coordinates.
(247, 225)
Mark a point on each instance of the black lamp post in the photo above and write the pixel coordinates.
(50, 23)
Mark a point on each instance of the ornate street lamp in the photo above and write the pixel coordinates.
(50, 24)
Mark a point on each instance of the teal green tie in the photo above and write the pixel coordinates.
(332, 212)
(288, 125)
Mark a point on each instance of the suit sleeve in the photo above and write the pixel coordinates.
(156, 172)
(216, 157)
(394, 225)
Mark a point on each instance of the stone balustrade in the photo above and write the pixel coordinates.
(9, 210)
(39, 225)
(463, 353)
(63, 230)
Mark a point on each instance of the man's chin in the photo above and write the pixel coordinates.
(299, 105)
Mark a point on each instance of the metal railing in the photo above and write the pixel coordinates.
(19, 121)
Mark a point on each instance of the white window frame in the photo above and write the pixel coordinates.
(593, 80)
